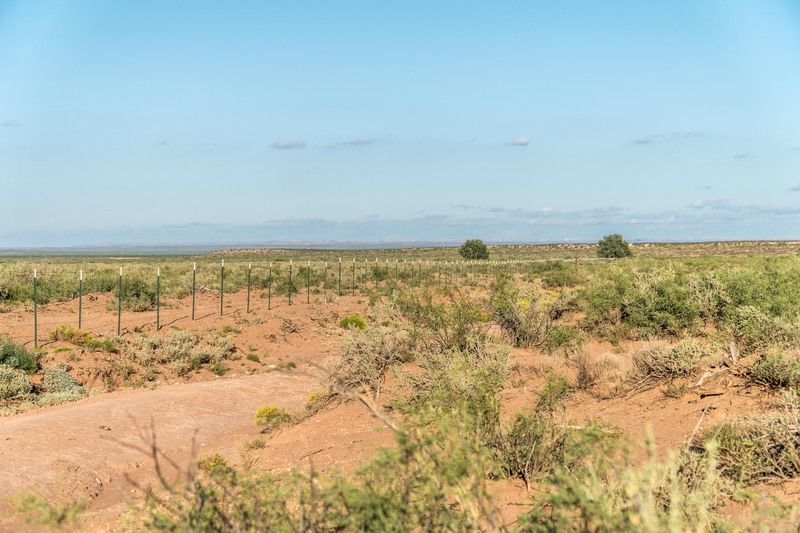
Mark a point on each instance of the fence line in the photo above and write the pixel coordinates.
(431, 273)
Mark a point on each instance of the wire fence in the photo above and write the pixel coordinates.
(249, 288)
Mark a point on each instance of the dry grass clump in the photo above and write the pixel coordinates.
(654, 365)
(758, 449)
(367, 354)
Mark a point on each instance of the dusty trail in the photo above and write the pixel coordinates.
(91, 449)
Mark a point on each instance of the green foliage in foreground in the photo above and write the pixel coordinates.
(16, 356)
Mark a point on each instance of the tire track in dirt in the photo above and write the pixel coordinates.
(91, 448)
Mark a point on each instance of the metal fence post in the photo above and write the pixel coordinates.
(80, 299)
(194, 286)
(35, 314)
(119, 304)
(249, 269)
(290, 282)
(158, 298)
(221, 286)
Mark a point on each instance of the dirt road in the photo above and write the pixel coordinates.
(91, 449)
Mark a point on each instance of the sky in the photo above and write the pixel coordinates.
(532, 121)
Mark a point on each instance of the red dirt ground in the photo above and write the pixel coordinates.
(91, 449)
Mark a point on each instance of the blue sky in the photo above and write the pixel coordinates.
(508, 121)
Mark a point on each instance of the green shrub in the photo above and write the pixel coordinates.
(353, 321)
(456, 323)
(775, 372)
(564, 339)
(13, 382)
(253, 357)
(613, 247)
(752, 329)
(272, 417)
(73, 335)
(678, 493)
(523, 314)
(15, 356)
(56, 379)
(474, 249)
(214, 465)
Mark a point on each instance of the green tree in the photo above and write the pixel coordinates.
(474, 249)
(613, 246)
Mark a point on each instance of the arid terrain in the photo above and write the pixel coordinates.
(99, 449)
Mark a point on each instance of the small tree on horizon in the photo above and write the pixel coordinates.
(613, 247)
(474, 249)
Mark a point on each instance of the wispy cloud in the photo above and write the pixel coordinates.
(794, 148)
(164, 142)
(519, 141)
(675, 136)
(743, 155)
(796, 188)
(357, 142)
(288, 145)
(10, 124)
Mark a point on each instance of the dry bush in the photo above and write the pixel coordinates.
(758, 449)
(13, 383)
(654, 365)
(367, 354)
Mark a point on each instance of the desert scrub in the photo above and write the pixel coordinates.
(214, 465)
(659, 364)
(678, 493)
(182, 351)
(60, 387)
(15, 356)
(432, 480)
(462, 383)
(353, 322)
(137, 295)
(564, 340)
(753, 329)
(78, 337)
(526, 314)
(758, 449)
(774, 371)
(452, 321)
(13, 383)
(272, 417)
(366, 356)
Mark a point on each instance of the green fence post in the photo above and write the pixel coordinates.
(194, 286)
(80, 299)
(158, 298)
(269, 288)
(396, 263)
(325, 283)
(290, 282)
(308, 283)
(119, 304)
(340, 276)
(221, 286)
(35, 314)
(366, 273)
(249, 268)
(354, 277)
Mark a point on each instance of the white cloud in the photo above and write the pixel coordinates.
(357, 142)
(519, 141)
(10, 124)
(288, 145)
